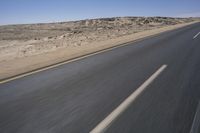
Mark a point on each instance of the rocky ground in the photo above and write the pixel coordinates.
(18, 41)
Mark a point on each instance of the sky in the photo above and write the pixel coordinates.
(43, 11)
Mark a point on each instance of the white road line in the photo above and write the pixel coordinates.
(196, 121)
(69, 61)
(196, 35)
(103, 125)
(65, 62)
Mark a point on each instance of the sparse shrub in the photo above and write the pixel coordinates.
(68, 29)
(146, 21)
(50, 37)
(77, 31)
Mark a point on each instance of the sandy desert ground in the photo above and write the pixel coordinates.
(31, 46)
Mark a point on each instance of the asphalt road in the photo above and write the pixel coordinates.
(78, 96)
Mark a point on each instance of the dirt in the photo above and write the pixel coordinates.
(27, 47)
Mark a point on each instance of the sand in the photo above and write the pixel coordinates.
(30, 50)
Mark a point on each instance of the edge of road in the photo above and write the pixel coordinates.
(14, 77)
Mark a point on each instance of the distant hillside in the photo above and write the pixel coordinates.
(39, 31)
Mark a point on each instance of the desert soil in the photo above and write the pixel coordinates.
(31, 46)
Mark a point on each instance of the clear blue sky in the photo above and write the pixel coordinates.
(37, 11)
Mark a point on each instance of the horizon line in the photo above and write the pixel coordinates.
(92, 18)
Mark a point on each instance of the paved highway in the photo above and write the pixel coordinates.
(149, 86)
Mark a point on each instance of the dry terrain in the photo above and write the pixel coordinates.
(31, 46)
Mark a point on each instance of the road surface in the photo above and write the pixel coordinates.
(149, 86)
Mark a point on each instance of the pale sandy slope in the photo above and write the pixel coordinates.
(54, 50)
